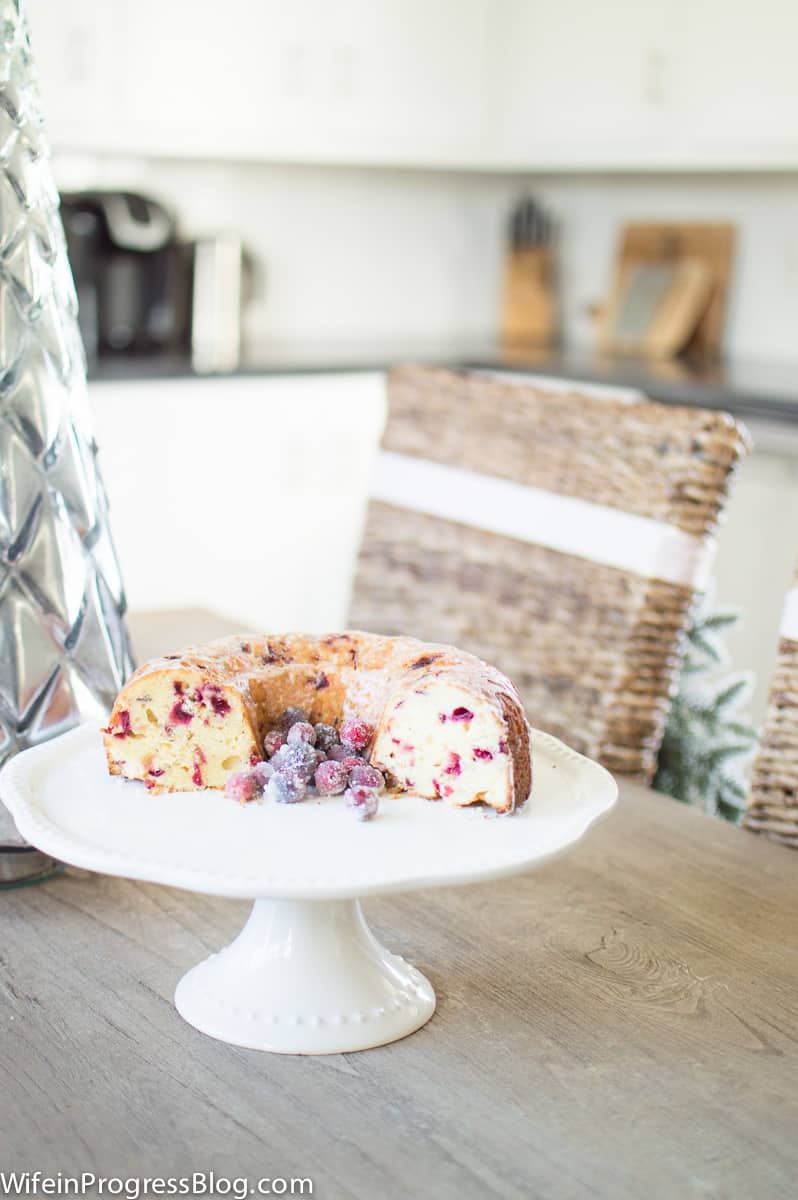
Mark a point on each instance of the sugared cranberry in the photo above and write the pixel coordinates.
(296, 756)
(302, 731)
(453, 765)
(355, 733)
(291, 716)
(478, 752)
(331, 778)
(287, 786)
(179, 714)
(363, 802)
(347, 756)
(326, 737)
(462, 714)
(366, 777)
(262, 773)
(242, 787)
(272, 742)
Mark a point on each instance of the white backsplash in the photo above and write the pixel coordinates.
(359, 254)
(342, 254)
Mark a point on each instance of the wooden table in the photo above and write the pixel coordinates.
(622, 1023)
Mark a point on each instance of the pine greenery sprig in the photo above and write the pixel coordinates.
(707, 745)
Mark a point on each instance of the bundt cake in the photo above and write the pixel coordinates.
(446, 725)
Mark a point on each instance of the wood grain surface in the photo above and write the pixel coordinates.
(622, 1024)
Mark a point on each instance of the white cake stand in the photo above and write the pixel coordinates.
(305, 975)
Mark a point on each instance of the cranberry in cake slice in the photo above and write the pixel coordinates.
(447, 743)
(175, 730)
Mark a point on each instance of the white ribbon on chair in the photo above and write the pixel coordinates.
(568, 524)
(788, 627)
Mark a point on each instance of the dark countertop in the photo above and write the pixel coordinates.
(745, 388)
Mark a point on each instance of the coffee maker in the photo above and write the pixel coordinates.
(143, 291)
(133, 276)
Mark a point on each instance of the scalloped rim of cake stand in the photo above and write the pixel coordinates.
(65, 803)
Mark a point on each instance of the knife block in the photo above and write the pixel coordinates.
(529, 307)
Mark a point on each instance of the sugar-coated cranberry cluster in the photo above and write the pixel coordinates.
(300, 757)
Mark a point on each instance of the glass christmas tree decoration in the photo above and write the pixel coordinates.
(64, 649)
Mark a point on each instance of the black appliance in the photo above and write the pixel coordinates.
(133, 276)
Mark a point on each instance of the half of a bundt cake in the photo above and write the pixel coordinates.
(445, 724)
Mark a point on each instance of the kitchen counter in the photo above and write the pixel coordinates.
(621, 1023)
(764, 390)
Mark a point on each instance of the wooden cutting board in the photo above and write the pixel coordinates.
(655, 308)
(697, 257)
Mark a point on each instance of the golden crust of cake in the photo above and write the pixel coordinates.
(446, 724)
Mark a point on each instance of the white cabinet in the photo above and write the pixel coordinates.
(356, 81)
(693, 84)
(242, 495)
(76, 47)
(487, 84)
(735, 82)
(757, 549)
(585, 83)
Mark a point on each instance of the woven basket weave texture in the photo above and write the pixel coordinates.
(773, 796)
(595, 651)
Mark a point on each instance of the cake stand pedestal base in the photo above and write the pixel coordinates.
(305, 977)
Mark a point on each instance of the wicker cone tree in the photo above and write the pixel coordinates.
(64, 649)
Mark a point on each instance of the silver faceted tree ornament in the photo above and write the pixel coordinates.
(64, 649)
